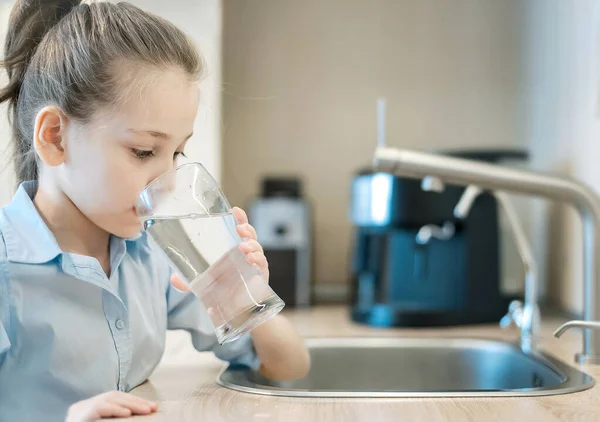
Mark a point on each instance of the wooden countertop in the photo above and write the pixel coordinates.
(184, 384)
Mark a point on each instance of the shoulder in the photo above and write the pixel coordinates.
(4, 297)
(3, 262)
(4, 273)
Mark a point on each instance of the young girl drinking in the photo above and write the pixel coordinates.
(102, 99)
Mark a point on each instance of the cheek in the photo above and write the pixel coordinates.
(124, 179)
(100, 178)
(86, 158)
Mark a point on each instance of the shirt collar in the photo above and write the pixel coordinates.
(28, 239)
(26, 235)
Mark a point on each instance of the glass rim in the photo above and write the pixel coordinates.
(145, 195)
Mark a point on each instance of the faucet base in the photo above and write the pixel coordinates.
(587, 359)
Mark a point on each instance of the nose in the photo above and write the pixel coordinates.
(162, 183)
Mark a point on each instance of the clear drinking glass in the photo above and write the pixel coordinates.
(188, 216)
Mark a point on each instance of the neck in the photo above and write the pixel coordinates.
(73, 231)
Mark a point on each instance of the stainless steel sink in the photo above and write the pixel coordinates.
(417, 367)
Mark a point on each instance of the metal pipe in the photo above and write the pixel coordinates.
(595, 325)
(466, 172)
(528, 319)
(465, 203)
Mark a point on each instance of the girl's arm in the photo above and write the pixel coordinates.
(281, 350)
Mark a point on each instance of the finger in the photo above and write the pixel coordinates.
(240, 215)
(111, 410)
(136, 408)
(136, 404)
(258, 258)
(179, 284)
(263, 270)
(247, 231)
(251, 245)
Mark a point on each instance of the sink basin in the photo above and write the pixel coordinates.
(417, 367)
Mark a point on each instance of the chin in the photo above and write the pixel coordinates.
(126, 231)
(125, 234)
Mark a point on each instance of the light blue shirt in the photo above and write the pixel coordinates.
(69, 332)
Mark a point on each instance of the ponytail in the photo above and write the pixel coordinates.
(29, 22)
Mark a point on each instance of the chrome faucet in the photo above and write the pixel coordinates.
(458, 171)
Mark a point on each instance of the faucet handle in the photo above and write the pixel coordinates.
(514, 316)
(576, 324)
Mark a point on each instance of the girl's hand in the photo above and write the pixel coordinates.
(250, 246)
(114, 404)
(253, 250)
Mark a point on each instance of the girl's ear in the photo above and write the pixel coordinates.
(49, 135)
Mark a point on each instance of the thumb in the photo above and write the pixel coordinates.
(179, 284)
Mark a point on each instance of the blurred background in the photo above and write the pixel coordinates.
(288, 122)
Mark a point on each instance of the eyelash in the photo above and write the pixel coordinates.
(143, 155)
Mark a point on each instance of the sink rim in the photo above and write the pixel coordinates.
(574, 380)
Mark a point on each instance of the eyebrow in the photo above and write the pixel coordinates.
(155, 134)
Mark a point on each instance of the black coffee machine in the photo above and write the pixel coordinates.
(414, 263)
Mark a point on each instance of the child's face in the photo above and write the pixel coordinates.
(109, 160)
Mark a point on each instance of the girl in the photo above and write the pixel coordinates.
(102, 100)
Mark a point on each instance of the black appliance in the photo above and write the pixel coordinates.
(400, 277)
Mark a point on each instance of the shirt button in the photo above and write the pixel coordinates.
(120, 324)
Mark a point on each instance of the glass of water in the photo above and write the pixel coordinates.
(187, 215)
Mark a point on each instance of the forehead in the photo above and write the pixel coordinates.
(164, 100)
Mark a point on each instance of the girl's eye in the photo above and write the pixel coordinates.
(142, 154)
(179, 154)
